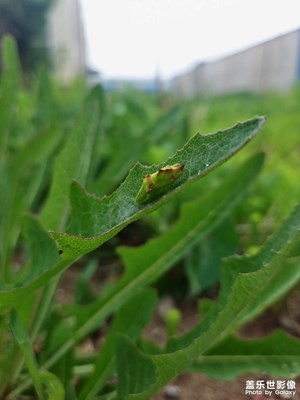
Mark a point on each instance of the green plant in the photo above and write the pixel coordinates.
(73, 222)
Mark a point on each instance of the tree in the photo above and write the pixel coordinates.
(26, 20)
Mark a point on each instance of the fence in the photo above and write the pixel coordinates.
(272, 65)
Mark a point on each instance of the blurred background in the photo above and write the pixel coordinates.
(192, 46)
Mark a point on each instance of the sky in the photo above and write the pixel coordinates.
(138, 39)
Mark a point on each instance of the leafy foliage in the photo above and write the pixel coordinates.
(66, 152)
(243, 280)
(276, 354)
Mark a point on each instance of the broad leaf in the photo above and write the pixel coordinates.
(244, 280)
(102, 218)
(72, 163)
(10, 85)
(197, 219)
(277, 354)
(203, 263)
(22, 181)
(23, 340)
(146, 263)
(131, 318)
(135, 369)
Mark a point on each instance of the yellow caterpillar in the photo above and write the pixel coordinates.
(154, 184)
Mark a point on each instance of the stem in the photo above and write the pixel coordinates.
(33, 368)
(42, 310)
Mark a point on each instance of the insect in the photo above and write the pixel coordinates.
(154, 184)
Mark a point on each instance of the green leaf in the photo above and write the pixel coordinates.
(53, 386)
(35, 152)
(244, 280)
(277, 354)
(21, 184)
(83, 293)
(9, 90)
(105, 217)
(46, 106)
(130, 320)
(72, 163)
(57, 331)
(23, 341)
(197, 220)
(18, 329)
(43, 251)
(98, 93)
(134, 368)
(125, 156)
(145, 264)
(43, 265)
(10, 84)
(96, 220)
(203, 264)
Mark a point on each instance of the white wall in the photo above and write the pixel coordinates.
(66, 40)
(270, 65)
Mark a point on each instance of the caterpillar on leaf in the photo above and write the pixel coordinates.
(154, 184)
